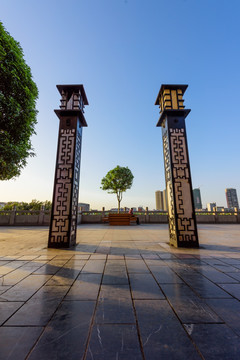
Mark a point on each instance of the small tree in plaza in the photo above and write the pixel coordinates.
(18, 94)
(117, 181)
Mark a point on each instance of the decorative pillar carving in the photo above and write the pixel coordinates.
(63, 225)
(181, 213)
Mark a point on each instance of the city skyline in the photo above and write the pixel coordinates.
(120, 62)
(158, 201)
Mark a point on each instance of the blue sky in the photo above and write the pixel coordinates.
(122, 51)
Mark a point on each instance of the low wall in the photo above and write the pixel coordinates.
(42, 217)
(24, 218)
(218, 218)
(156, 217)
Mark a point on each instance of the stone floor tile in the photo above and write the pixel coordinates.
(115, 310)
(115, 278)
(49, 269)
(115, 266)
(228, 310)
(235, 275)
(115, 272)
(45, 257)
(7, 309)
(150, 256)
(98, 257)
(114, 342)
(3, 262)
(115, 305)
(94, 266)
(25, 288)
(144, 286)
(215, 275)
(233, 289)
(3, 288)
(41, 306)
(137, 267)
(187, 305)
(115, 257)
(63, 256)
(162, 335)
(81, 256)
(66, 335)
(64, 277)
(164, 275)
(10, 257)
(133, 256)
(215, 341)
(167, 256)
(221, 266)
(202, 286)
(231, 261)
(86, 287)
(11, 266)
(28, 257)
(115, 291)
(16, 342)
(13, 277)
(76, 264)
(131, 253)
(215, 263)
(155, 262)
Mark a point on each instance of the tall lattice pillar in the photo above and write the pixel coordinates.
(63, 226)
(182, 220)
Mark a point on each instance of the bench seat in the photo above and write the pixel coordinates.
(119, 219)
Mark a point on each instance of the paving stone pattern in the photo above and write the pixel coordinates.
(121, 293)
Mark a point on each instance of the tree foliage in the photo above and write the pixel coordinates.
(117, 181)
(18, 95)
(32, 206)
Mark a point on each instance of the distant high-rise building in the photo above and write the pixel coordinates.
(211, 206)
(197, 199)
(159, 200)
(83, 207)
(165, 200)
(232, 200)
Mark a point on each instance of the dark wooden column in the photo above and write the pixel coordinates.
(181, 213)
(63, 226)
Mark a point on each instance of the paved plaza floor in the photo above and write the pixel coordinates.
(121, 293)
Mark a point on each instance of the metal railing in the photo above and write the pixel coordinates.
(42, 217)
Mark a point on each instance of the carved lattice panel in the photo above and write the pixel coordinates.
(75, 187)
(182, 186)
(169, 188)
(63, 183)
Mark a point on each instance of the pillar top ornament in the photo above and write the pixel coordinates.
(72, 102)
(170, 101)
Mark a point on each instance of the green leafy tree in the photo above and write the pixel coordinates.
(117, 181)
(47, 205)
(35, 205)
(18, 95)
(32, 206)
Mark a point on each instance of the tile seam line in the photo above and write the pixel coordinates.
(135, 313)
(94, 314)
(60, 303)
(196, 293)
(194, 344)
(11, 286)
(211, 281)
(24, 302)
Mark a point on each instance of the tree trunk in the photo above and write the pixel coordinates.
(119, 198)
